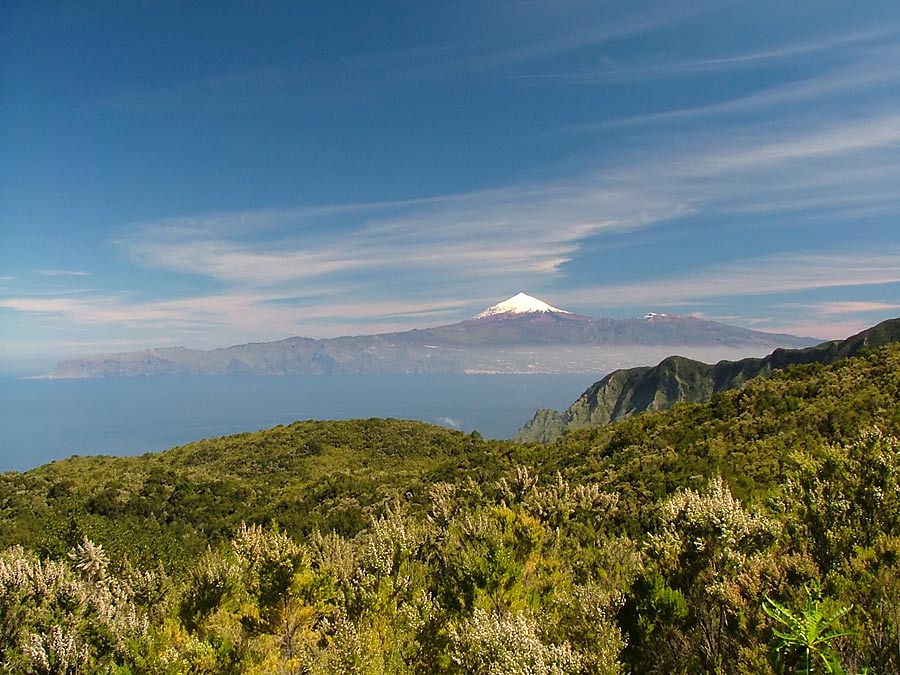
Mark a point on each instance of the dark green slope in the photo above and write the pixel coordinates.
(627, 392)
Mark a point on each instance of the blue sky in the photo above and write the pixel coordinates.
(206, 174)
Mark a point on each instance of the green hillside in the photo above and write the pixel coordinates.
(630, 391)
(749, 435)
(711, 538)
(171, 505)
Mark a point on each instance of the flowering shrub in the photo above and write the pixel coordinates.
(61, 618)
(521, 576)
(508, 644)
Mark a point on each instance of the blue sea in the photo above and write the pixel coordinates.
(44, 420)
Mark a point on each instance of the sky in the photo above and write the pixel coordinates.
(207, 174)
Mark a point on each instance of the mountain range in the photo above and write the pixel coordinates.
(627, 392)
(519, 335)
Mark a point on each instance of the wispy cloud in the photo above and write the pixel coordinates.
(516, 232)
(449, 422)
(587, 33)
(241, 316)
(837, 308)
(850, 162)
(830, 320)
(822, 328)
(542, 31)
(868, 69)
(769, 275)
(530, 231)
(869, 132)
(63, 273)
(612, 71)
(478, 44)
(326, 269)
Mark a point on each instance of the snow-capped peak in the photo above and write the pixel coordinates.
(521, 303)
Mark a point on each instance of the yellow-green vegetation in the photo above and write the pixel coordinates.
(756, 533)
(170, 506)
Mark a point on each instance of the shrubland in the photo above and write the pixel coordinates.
(755, 533)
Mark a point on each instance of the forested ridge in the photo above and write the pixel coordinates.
(631, 391)
(755, 533)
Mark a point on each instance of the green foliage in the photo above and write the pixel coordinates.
(804, 640)
(627, 392)
(211, 582)
(845, 497)
(699, 562)
(170, 506)
(669, 543)
(751, 436)
(67, 616)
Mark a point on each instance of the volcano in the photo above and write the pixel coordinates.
(519, 335)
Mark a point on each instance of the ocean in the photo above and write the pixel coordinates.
(45, 420)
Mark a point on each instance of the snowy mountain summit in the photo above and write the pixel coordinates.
(521, 303)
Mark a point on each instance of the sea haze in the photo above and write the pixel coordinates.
(44, 420)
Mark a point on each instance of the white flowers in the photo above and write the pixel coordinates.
(64, 618)
(508, 644)
(55, 652)
(90, 559)
(712, 524)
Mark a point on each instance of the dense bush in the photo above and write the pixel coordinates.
(759, 533)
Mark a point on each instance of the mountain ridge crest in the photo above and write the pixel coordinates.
(627, 392)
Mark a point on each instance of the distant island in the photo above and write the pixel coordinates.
(519, 335)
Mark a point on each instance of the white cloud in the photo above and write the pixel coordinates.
(480, 45)
(850, 307)
(300, 271)
(525, 235)
(448, 422)
(878, 133)
(769, 275)
(821, 328)
(204, 320)
(63, 273)
(868, 70)
(495, 234)
(832, 320)
(859, 41)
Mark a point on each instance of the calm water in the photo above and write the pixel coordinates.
(43, 420)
